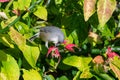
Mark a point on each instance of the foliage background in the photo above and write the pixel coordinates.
(93, 25)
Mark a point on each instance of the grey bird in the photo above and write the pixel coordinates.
(49, 34)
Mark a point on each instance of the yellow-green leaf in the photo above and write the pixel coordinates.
(89, 8)
(86, 74)
(4, 24)
(5, 39)
(10, 69)
(17, 37)
(79, 62)
(31, 53)
(41, 12)
(22, 27)
(31, 75)
(21, 4)
(105, 9)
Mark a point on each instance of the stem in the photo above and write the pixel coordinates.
(34, 4)
(47, 3)
(58, 62)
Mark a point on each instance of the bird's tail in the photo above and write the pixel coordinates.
(34, 36)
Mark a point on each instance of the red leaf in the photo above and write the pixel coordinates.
(54, 50)
(69, 47)
(4, 0)
(111, 54)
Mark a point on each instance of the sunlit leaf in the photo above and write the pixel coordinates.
(22, 27)
(116, 61)
(105, 10)
(31, 53)
(3, 56)
(89, 8)
(10, 69)
(2, 76)
(31, 75)
(116, 70)
(79, 62)
(4, 24)
(41, 12)
(5, 39)
(21, 4)
(86, 74)
(17, 37)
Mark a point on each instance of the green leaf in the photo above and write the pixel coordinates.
(97, 77)
(31, 75)
(70, 38)
(10, 69)
(49, 77)
(107, 32)
(75, 22)
(62, 78)
(89, 8)
(51, 62)
(3, 56)
(41, 13)
(66, 67)
(105, 77)
(105, 9)
(75, 37)
(21, 4)
(81, 63)
(31, 53)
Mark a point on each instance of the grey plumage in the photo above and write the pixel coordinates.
(49, 34)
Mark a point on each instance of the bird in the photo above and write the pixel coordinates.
(49, 34)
